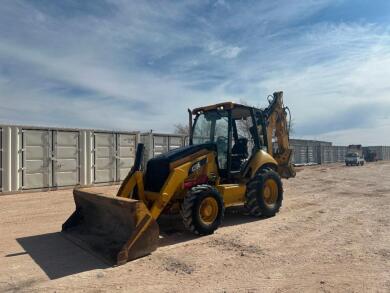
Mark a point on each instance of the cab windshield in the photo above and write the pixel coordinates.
(212, 126)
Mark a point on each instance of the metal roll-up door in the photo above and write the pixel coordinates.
(328, 154)
(340, 154)
(160, 144)
(335, 153)
(310, 154)
(299, 156)
(302, 154)
(316, 158)
(175, 142)
(294, 156)
(383, 152)
(104, 157)
(36, 159)
(125, 154)
(66, 171)
(379, 152)
(345, 150)
(305, 156)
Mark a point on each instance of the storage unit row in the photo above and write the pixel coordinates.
(43, 158)
(34, 158)
(382, 152)
(316, 152)
(158, 143)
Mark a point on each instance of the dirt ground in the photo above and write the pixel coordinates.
(331, 235)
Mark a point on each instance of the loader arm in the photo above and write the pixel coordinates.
(277, 125)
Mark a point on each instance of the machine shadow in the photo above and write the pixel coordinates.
(57, 256)
(172, 230)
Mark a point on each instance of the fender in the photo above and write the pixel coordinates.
(259, 160)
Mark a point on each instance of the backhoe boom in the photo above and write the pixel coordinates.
(278, 127)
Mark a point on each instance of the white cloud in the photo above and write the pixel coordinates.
(361, 135)
(322, 88)
(224, 51)
(141, 66)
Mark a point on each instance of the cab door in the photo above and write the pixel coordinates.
(215, 126)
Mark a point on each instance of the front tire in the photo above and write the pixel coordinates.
(264, 194)
(203, 210)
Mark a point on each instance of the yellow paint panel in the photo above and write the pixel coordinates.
(173, 185)
(258, 160)
(232, 194)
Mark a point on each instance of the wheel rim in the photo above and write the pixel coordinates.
(208, 210)
(270, 193)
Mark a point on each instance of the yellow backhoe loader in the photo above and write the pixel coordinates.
(236, 155)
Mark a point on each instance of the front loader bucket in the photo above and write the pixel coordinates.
(114, 228)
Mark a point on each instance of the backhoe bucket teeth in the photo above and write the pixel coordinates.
(116, 229)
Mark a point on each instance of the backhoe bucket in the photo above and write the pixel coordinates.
(285, 167)
(114, 228)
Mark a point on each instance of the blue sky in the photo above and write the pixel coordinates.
(138, 65)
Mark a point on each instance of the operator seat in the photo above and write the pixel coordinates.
(239, 153)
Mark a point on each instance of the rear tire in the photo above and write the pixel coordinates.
(264, 194)
(203, 210)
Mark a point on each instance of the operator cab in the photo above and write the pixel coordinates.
(237, 130)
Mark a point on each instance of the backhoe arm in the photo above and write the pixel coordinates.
(277, 126)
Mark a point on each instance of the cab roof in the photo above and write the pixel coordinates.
(225, 106)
